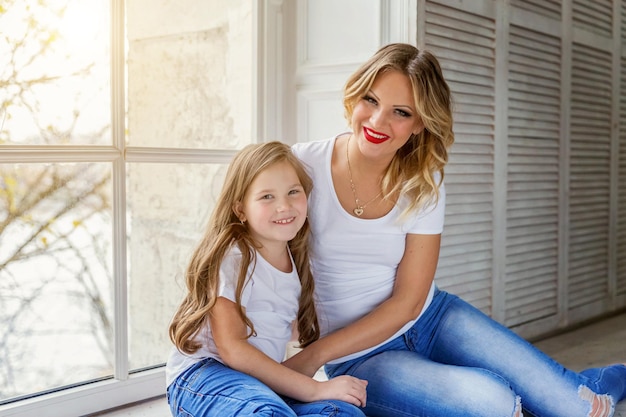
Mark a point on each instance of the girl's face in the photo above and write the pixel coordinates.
(384, 119)
(275, 206)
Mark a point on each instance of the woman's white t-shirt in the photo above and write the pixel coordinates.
(271, 300)
(354, 260)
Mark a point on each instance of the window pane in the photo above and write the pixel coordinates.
(54, 67)
(190, 74)
(168, 206)
(55, 276)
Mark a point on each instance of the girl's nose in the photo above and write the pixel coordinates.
(283, 204)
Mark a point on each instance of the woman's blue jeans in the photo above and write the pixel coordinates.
(211, 389)
(457, 361)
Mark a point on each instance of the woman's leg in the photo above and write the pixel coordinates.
(212, 389)
(459, 334)
(405, 383)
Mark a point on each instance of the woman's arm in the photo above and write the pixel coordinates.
(414, 277)
(229, 333)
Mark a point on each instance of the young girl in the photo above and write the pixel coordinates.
(248, 281)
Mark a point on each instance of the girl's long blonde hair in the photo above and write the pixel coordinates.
(412, 169)
(224, 230)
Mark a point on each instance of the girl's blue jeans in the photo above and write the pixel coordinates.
(457, 361)
(211, 389)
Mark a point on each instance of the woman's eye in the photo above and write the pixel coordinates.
(370, 99)
(403, 113)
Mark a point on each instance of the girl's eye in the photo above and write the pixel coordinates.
(294, 191)
(267, 197)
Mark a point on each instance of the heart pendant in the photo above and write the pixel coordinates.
(358, 211)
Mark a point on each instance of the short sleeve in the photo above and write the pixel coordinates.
(229, 271)
(430, 219)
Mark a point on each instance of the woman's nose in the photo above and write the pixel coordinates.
(377, 118)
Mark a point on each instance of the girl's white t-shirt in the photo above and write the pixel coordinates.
(354, 260)
(270, 298)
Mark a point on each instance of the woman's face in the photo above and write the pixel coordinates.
(385, 118)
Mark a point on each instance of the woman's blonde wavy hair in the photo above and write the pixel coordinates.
(223, 231)
(411, 172)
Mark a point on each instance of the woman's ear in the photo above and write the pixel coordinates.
(419, 127)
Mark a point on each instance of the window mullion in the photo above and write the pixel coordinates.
(118, 129)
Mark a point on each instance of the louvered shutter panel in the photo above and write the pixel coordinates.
(621, 215)
(464, 45)
(621, 211)
(532, 176)
(589, 176)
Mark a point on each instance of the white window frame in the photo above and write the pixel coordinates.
(124, 387)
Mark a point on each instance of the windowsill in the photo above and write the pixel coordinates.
(91, 399)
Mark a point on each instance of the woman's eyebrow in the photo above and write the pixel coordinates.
(406, 106)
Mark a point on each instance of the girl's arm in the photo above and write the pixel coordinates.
(414, 277)
(229, 333)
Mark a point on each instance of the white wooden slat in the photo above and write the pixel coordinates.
(521, 220)
(518, 273)
(532, 194)
(458, 238)
(549, 8)
(538, 23)
(462, 129)
(534, 317)
(466, 277)
(533, 97)
(462, 33)
(530, 277)
(527, 72)
(525, 50)
(459, 58)
(533, 298)
(480, 107)
(476, 100)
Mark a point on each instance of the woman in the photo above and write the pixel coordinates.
(376, 215)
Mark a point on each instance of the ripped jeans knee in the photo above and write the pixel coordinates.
(600, 405)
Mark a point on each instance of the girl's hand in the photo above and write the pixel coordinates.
(345, 388)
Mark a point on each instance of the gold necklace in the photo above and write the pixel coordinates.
(358, 210)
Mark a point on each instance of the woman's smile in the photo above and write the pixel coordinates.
(374, 136)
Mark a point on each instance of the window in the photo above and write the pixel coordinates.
(116, 125)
